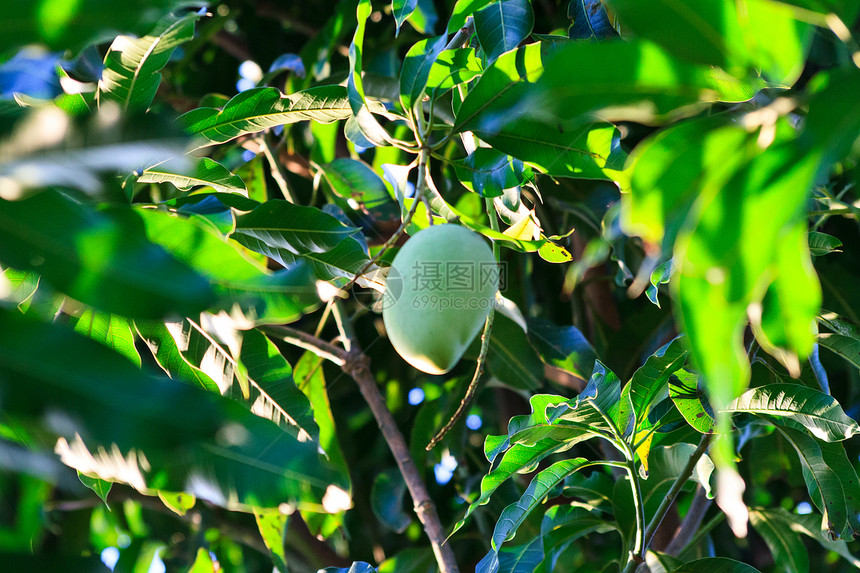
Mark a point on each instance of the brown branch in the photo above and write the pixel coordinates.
(692, 521)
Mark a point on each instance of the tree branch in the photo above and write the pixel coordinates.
(692, 521)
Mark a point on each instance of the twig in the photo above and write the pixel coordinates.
(462, 34)
(358, 367)
(473, 385)
(685, 532)
(275, 169)
(309, 342)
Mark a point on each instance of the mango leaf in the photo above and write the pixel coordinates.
(116, 416)
(98, 258)
(416, 69)
(201, 172)
(513, 515)
(357, 567)
(98, 486)
(132, 67)
(588, 151)
(809, 525)
(489, 172)
(714, 32)
(258, 109)
(402, 9)
(511, 358)
(667, 462)
(590, 20)
(179, 503)
(502, 25)
(562, 525)
(595, 491)
(284, 226)
(660, 275)
(109, 329)
(272, 524)
(818, 412)
(355, 180)
(525, 557)
(848, 347)
(823, 244)
(650, 379)
(824, 484)
(170, 357)
(715, 565)
(564, 347)
(633, 80)
(597, 408)
(363, 122)
(453, 67)
(461, 11)
(262, 297)
(386, 500)
(688, 394)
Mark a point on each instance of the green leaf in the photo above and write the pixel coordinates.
(98, 486)
(272, 524)
(634, 80)
(258, 109)
(165, 349)
(453, 67)
(201, 172)
(564, 347)
(598, 407)
(785, 546)
(417, 65)
(98, 258)
(810, 525)
(848, 347)
(522, 558)
(242, 286)
(688, 394)
(511, 357)
(715, 565)
(824, 484)
(119, 416)
(462, 10)
(823, 244)
(362, 119)
(109, 329)
(355, 180)
(514, 514)
(386, 500)
(590, 20)
(402, 9)
(660, 275)
(818, 412)
(489, 172)
(502, 25)
(761, 34)
(666, 464)
(586, 151)
(179, 503)
(285, 226)
(650, 379)
(131, 74)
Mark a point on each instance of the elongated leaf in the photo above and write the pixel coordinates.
(810, 525)
(598, 406)
(522, 558)
(502, 25)
(416, 69)
(98, 258)
(111, 330)
(824, 484)
(712, 32)
(203, 172)
(462, 10)
(590, 20)
(297, 229)
(169, 356)
(272, 524)
(513, 515)
(361, 118)
(132, 68)
(560, 149)
(354, 179)
(823, 244)
(659, 276)
(402, 9)
(258, 109)
(511, 358)
(117, 416)
(845, 346)
(564, 347)
(649, 379)
(688, 394)
(715, 565)
(818, 412)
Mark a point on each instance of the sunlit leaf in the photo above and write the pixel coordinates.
(202, 172)
(98, 486)
(272, 524)
(502, 25)
(417, 65)
(113, 331)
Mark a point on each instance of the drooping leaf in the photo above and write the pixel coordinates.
(417, 64)
(272, 524)
(258, 109)
(132, 70)
(202, 172)
(564, 347)
(386, 500)
(98, 486)
(365, 125)
(98, 258)
(660, 275)
(761, 35)
(402, 9)
(590, 20)
(169, 356)
(109, 329)
(119, 416)
(818, 412)
(502, 25)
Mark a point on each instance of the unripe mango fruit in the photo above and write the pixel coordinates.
(439, 291)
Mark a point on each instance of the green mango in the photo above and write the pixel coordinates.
(439, 290)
